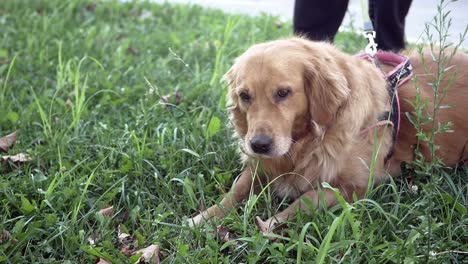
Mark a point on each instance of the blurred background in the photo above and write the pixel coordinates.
(421, 12)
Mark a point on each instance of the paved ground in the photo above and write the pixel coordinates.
(421, 11)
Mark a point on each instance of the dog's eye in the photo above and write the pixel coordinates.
(283, 93)
(245, 97)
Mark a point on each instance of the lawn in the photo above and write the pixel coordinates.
(122, 105)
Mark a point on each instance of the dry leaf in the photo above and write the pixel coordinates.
(266, 227)
(90, 7)
(223, 233)
(108, 211)
(91, 241)
(178, 97)
(123, 216)
(4, 237)
(150, 255)
(165, 99)
(127, 244)
(127, 250)
(102, 261)
(68, 103)
(124, 238)
(7, 142)
(132, 50)
(18, 158)
(271, 226)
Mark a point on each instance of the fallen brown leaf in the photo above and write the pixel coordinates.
(123, 216)
(17, 159)
(124, 238)
(150, 254)
(166, 99)
(7, 142)
(90, 7)
(127, 250)
(102, 261)
(4, 237)
(108, 211)
(133, 50)
(68, 103)
(270, 227)
(127, 243)
(92, 241)
(223, 233)
(178, 97)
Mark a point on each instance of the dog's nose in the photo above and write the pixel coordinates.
(261, 144)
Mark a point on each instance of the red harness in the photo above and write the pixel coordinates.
(402, 72)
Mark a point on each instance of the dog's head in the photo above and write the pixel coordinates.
(280, 90)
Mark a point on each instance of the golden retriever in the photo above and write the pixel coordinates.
(300, 110)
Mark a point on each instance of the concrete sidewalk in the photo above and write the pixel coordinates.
(421, 12)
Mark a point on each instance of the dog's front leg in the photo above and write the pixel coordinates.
(313, 195)
(240, 191)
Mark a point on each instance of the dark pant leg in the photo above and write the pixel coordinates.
(388, 18)
(318, 19)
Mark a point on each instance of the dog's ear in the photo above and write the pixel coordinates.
(326, 88)
(236, 116)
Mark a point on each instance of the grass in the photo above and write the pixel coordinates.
(82, 83)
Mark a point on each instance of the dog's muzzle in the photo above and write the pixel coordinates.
(261, 144)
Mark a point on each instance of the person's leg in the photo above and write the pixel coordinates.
(388, 18)
(318, 19)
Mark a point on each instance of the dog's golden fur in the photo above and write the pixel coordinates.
(316, 129)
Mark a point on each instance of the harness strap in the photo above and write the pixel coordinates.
(402, 72)
(379, 123)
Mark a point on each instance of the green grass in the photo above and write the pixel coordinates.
(82, 84)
